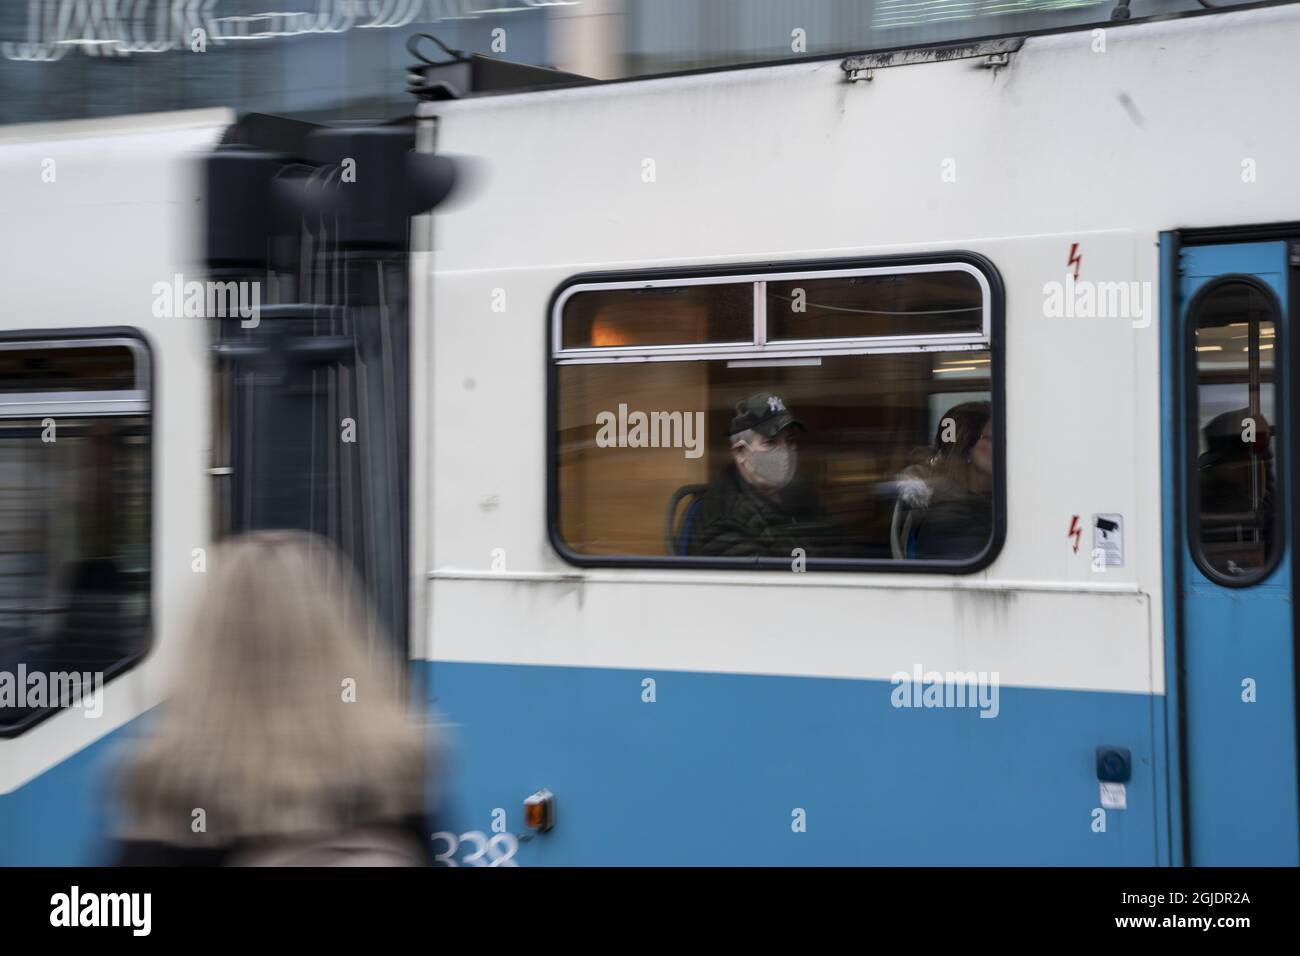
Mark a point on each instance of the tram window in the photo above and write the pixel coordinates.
(851, 457)
(74, 523)
(72, 369)
(673, 315)
(1237, 501)
(906, 304)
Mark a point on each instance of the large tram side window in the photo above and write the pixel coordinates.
(844, 417)
(75, 431)
(1235, 405)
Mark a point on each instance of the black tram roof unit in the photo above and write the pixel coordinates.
(468, 74)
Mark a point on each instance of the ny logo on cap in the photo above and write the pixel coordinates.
(775, 404)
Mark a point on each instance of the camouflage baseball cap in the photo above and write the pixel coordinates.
(765, 413)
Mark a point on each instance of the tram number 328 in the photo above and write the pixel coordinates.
(497, 850)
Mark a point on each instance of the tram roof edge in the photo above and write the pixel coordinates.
(926, 51)
(117, 125)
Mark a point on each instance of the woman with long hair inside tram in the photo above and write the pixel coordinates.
(956, 520)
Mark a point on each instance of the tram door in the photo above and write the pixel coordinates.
(1237, 530)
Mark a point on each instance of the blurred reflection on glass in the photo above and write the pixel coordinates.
(74, 519)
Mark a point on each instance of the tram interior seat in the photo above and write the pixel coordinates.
(902, 530)
(678, 533)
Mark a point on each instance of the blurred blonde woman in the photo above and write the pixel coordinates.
(285, 739)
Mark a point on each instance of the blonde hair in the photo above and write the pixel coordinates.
(258, 731)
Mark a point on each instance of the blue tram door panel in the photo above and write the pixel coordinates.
(1235, 555)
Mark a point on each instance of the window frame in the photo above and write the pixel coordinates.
(86, 404)
(992, 339)
(1191, 429)
(759, 345)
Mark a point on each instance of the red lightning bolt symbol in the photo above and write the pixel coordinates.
(1075, 260)
(1074, 532)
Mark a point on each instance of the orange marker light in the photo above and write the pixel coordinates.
(539, 810)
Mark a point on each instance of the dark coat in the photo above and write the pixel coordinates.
(735, 520)
(413, 833)
(957, 524)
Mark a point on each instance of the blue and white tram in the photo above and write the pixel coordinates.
(104, 439)
(1094, 198)
(1092, 235)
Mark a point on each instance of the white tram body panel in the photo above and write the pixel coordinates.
(97, 212)
(1069, 150)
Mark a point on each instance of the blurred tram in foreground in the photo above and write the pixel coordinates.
(517, 417)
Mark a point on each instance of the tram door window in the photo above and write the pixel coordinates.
(847, 416)
(1235, 627)
(75, 432)
(1236, 408)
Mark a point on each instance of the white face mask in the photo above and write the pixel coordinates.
(774, 467)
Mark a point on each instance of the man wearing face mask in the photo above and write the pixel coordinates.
(758, 506)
